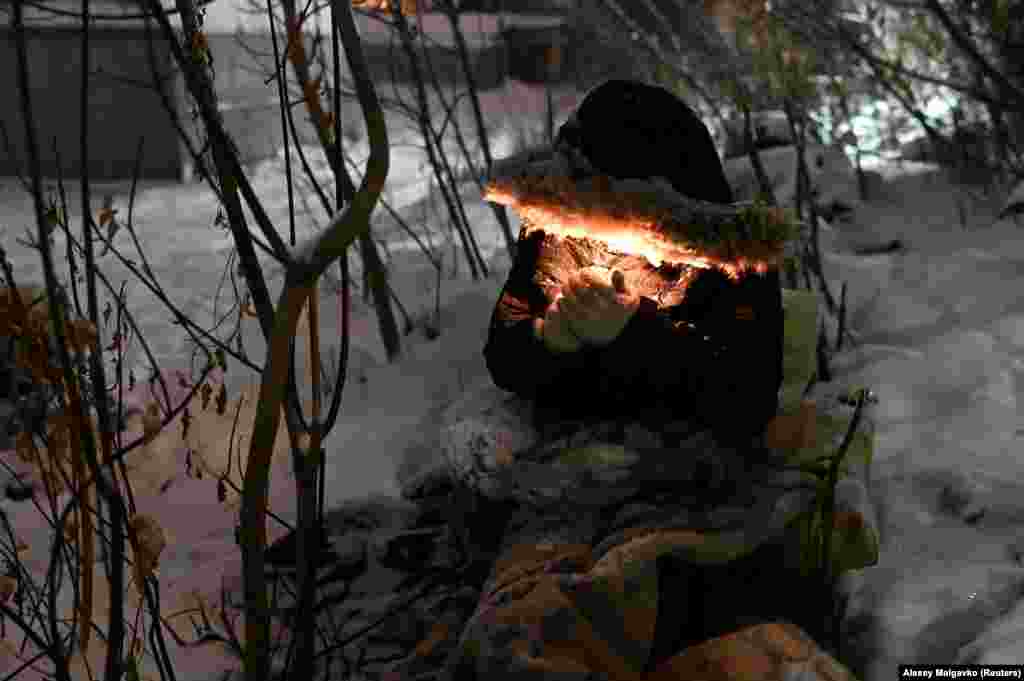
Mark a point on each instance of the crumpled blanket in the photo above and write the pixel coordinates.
(669, 477)
(574, 592)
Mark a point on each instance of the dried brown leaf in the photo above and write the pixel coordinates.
(82, 334)
(438, 633)
(406, 7)
(8, 585)
(311, 91)
(53, 481)
(151, 421)
(58, 445)
(222, 400)
(186, 422)
(148, 542)
(106, 214)
(793, 431)
(503, 456)
(24, 447)
(295, 51)
(204, 394)
(70, 529)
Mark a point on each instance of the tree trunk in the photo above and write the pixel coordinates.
(803, 193)
(862, 180)
(377, 278)
(374, 275)
(755, 159)
(1011, 54)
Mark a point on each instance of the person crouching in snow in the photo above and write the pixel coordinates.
(601, 351)
(606, 345)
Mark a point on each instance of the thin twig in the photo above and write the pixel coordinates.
(500, 213)
(968, 47)
(63, 220)
(230, 173)
(449, 173)
(842, 319)
(180, 317)
(56, 314)
(435, 155)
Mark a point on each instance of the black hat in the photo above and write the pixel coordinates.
(628, 129)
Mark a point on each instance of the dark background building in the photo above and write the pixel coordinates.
(531, 42)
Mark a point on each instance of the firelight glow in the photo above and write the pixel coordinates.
(625, 235)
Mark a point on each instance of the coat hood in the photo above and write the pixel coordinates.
(555, 190)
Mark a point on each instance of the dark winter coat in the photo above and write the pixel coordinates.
(716, 357)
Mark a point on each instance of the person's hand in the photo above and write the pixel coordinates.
(598, 305)
(554, 329)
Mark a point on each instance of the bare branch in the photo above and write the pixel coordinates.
(668, 60)
(971, 50)
(322, 249)
(93, 16)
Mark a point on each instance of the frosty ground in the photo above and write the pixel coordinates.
(941, 341)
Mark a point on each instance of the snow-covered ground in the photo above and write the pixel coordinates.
(383, 407)
(941, 327)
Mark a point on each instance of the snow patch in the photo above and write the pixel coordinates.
(1014, 203)
(960, 359)
(1010, 330)
(903, 312)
